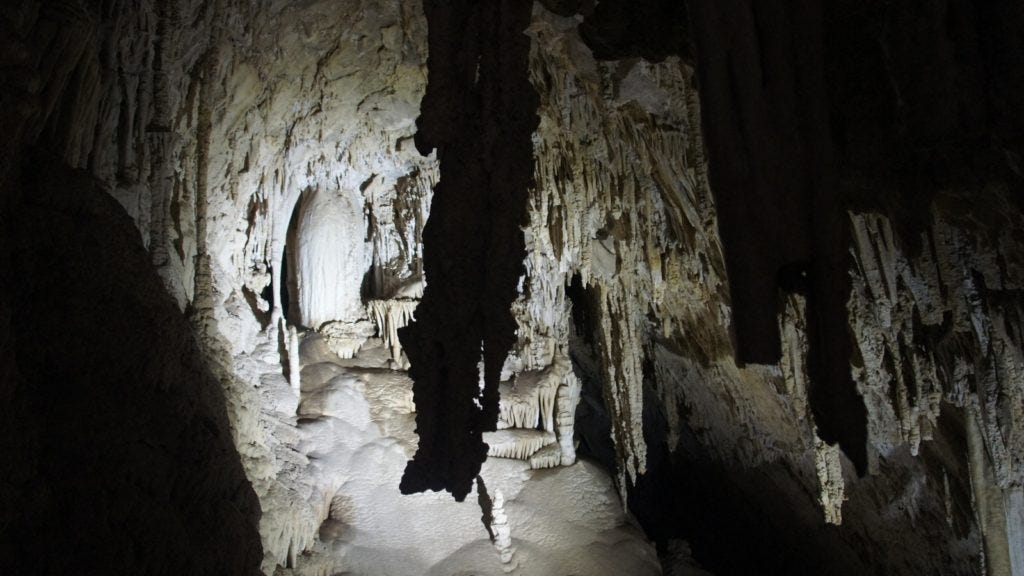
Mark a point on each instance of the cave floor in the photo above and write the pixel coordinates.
(356, 430)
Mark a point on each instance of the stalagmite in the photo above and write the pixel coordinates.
(1014, 505)
(568, 399)
(294, 366)
(988, 504)
(830, 481)
(327, 257)
(502, 531)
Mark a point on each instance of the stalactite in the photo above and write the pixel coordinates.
(529, 400)
(346, 338)
(772, 173)
(390, 316)
(479, 112)
(536, 416)
(518, 443)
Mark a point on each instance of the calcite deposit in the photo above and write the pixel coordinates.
(656, 287)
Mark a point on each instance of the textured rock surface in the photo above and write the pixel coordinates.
(208, 121)
(356, 428)
(213, 123)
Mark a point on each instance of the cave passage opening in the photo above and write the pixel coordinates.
(593, 423)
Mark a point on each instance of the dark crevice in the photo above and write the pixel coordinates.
(946, 458)
(593, 423)
(289, 288)
(284, 293)
(909, 375)
(261, 314)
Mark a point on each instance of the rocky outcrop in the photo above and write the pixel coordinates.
(942, 329)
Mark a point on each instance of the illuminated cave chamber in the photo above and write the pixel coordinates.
(767, 296)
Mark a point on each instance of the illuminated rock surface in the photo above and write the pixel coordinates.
(263, 160)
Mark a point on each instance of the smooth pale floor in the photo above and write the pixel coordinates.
(358, 432)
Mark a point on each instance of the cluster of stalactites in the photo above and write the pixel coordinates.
(537, 412)
(389, 316)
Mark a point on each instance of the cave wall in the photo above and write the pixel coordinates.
(117, 452)
(645, 242)
(207, 121)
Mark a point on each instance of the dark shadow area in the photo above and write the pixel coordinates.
(761, 520)
(286, 280)
(615, 29)
(924, 98)
(483, 499)
(115, 451)
(593, 423)
(289, 287)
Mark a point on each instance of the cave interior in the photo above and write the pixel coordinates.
(624, 287)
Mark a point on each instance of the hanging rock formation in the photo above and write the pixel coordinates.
(761, 70)
(479, 112)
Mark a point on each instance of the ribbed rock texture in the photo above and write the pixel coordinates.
(265, 151)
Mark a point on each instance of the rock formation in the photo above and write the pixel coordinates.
(478, 113)
(748, 271)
